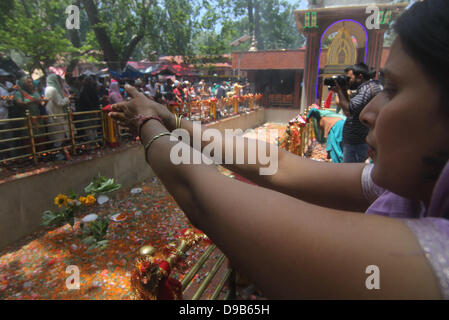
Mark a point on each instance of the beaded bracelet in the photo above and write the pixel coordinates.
(141, 120)
(148, 145)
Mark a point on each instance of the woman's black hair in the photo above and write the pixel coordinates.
(423, 30)
(362, 69)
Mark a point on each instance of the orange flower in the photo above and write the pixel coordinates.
(89, 200)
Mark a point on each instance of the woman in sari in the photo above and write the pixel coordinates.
(26, 98)
(323, 230)
(57, 103)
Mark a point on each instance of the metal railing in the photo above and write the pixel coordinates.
(213, 109)
(36, 137)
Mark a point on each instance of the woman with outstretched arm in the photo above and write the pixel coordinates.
(312, 230)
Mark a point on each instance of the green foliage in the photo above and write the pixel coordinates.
(140, 29)
(95, 233)
(101, 185)
(36, 29)
(278, 26)
(272, 22)
(55, 219)
(59, 218)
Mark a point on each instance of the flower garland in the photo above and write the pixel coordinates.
(291, 141)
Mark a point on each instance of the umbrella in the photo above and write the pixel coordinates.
(3, 73)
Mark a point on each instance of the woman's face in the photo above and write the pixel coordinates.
(406, 126)
(29, 84)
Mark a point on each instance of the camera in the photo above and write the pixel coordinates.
(342, 80)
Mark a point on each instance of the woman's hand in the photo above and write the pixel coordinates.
(127, 113)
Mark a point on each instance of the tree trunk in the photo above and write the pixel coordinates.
(260, 45)
(129, 49)
(111, 56)
(250, 17)
(74, 37)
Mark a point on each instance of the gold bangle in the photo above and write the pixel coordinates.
(148, 145)
(178, 118)
(176, 121)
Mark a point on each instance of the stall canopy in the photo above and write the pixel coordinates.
(134, 70)
(10, 66)
(128, 73)
(179, 70)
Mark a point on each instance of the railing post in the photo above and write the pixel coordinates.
(106, 129)
(72, 130)
(301, 146)
(31, 133)
(306, 138)
(236, 105)
(213, 109)
(201, 111)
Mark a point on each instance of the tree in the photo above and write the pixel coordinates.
(119, 26)
(271, 21)
(36, 29)
(278, 26)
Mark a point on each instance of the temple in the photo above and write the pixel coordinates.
(336, 37)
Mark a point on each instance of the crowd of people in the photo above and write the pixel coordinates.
(179, 91)
(52, 96)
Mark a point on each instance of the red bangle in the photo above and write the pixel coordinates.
(144, 119)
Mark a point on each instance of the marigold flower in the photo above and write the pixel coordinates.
(60, 200)
(89, 200)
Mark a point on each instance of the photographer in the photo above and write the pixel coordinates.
(355, 148)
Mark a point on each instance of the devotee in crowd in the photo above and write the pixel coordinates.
(88, 102)
(102, 92)
(178, 92)
(151, 89)
(114, 93)
(5, 104)
(159, 96)
(139, 85)
(187, 92)
(26, 98)
(204, 90)
(221, 91)
(88, 95)
(10, 81)
(58, 101)
(213, 90)
(193, 94)
(314, 229)
(355, 148)
(168, 90)
(75, 86)
(237, 89)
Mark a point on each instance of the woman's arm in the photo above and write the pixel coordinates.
(337, 186)
(20, 101)
(287, 247)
